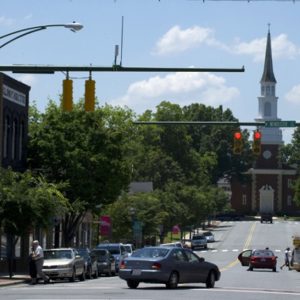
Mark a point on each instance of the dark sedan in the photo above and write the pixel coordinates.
(105, 262)
(258, 259)
(167, 265)
(91, 267)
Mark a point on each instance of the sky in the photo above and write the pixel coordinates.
(165, 33)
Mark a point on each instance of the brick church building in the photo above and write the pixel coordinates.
(270, 181)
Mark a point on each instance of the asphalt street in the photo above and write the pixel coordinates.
(236, 282)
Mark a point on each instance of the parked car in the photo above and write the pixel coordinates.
(198, 241)
(105, 262)
(258, 259)
(91, 267)
(63, 263)
(209, 236)
(169, 266)
(117, 250)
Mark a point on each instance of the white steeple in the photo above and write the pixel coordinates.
(267, 101)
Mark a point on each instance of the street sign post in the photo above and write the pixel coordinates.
(280, 123)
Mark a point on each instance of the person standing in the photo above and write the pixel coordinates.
(32, 268)
(286, 258)
(38, 256)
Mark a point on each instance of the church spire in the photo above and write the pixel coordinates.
(268, 75)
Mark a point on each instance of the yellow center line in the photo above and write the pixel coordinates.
(246, 246)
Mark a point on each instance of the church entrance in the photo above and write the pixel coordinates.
(266, 199)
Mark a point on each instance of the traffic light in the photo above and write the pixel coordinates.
(237, 143)
(67, 97)
(89, 97)
(256, 146)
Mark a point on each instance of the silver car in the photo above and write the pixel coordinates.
(198, 241)
(63, 263)
(167, 265)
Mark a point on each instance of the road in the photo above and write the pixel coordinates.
(236, 282)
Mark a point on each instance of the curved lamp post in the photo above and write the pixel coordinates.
(72, 26)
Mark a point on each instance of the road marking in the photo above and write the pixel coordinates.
(246, 246)
(256, 291)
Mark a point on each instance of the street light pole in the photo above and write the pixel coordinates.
(25, 31)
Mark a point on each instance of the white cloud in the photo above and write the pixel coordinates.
(28, 79)
(6, 21)
(180, 88)
(293, 95)
(177, 40)
(281, 48)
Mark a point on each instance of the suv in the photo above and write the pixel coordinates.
(198, 241)
(117, 250)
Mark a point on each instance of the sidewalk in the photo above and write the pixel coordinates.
(16, 279)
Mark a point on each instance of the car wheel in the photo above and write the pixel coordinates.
(250, 268)
(82, 276)
(89, 273)
(211, 279)
(274, 269)
(132, 284)
(173, 281)
(72, 279)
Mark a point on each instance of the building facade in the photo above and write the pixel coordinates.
(270, 181)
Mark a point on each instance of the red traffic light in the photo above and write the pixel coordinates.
(237, 135)
(257, 135)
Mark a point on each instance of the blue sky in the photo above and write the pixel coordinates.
(166, 33)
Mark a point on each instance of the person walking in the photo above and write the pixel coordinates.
(38, 256)
(286, 258)
(32, 268)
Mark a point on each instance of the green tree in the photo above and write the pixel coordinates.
(86, 150)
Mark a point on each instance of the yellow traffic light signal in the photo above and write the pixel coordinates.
(67, 97)
(237, 143)
(256, 146)
(89, 97)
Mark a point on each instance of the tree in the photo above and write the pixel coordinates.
(86, 150)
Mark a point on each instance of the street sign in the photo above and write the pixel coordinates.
(280, 123)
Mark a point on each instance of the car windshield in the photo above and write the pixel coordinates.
(261, 253)
(82, 252)
(207, 233)
(198, 237)
(55, 254)
(150, 252)
(115, 250)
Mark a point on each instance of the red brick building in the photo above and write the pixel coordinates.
(270, 181)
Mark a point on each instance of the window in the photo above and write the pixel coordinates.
(267, 90)
(6, 137)
(21, 141)
(289, 200)
(290, 183)
(267, 109)
(14, 140)
(262, 90)
(244, 199)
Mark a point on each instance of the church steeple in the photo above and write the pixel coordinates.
(267, 101)
(268, 74)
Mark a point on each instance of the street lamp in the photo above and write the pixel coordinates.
(72, 26)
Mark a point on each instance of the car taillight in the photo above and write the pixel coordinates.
(156, 266)
(122, 264)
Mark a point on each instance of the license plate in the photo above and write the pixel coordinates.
(263, 259)
(136, 272)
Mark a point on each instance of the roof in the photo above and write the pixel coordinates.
(268, 74)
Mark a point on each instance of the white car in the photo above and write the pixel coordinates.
(63, 263)
(209, 236)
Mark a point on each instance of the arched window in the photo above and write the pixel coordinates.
(267, 109)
